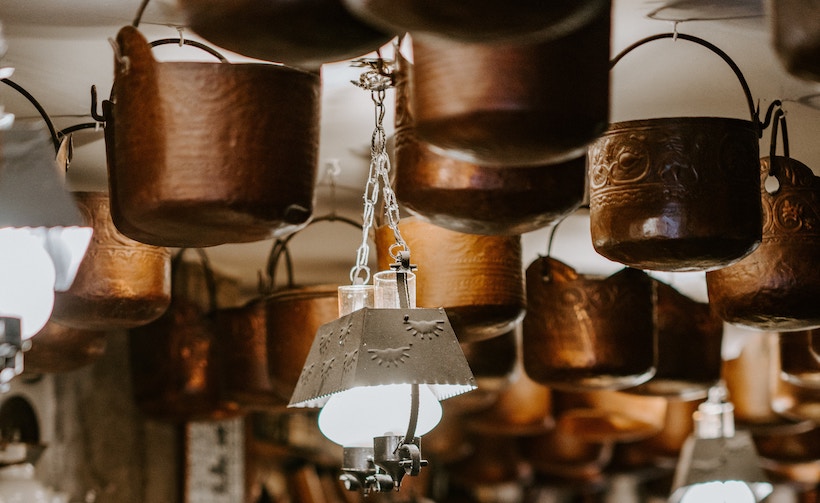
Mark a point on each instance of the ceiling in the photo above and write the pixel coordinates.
(60, 48)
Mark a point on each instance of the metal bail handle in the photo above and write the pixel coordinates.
(193, 43)
(712, 47)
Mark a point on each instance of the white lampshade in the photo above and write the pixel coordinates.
(732, 491)
(352, 418)
(27, 278)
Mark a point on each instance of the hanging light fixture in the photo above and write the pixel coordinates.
(380, 370)
(718, 464)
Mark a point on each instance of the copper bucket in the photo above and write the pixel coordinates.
(777, 286)
(796, 36)
(58, 348)
(472, 198)
(538, 103)
(583, 332)
(121, 283)
(476, 279)
(658, 187)
(201, 154)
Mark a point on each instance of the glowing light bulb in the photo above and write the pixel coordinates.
(731, 491)
(353, 417)
(27, 278)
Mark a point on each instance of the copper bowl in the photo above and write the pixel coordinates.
(121, 283)
(201, 154)
(777, 286)
(58, 348)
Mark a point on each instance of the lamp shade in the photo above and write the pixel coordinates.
(373, 347)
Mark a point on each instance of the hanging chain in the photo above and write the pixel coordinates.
(377, 79)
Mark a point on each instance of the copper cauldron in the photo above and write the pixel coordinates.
(472, 198)
(479, 21)
(302, 33)
(121, 283)
(201, 154)
(513, 104)
(584, 332)
(476, 279)
(777, 287)
(658, 188)
(796, 36)
(58, 348)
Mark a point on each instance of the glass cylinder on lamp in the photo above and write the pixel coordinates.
(355, 297)
(387, 289)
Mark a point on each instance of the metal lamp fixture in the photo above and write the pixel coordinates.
(718, 464)
(380, 370)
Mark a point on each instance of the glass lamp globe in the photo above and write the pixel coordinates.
(352, 418)
(27, 277)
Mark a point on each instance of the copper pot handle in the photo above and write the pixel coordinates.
(55, 138)
(691, 38)
(210, 279)
(193, 43)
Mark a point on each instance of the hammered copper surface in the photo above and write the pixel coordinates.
(483, 21)
(582, 332)
(209, 153)
(58, 348)
(121, 283)
(513, 104)
(476, 279)
(302, 33)
(800, 357)
(689, 342)
(658, 193)
(293, 317)
(796, 36)
(471, 198)
(777, 287)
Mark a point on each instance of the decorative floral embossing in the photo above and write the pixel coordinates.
(306, 373)
(390, 357)
(350, 359)
(425, 329)
(327, 366)
(324, 341)
(344, 331)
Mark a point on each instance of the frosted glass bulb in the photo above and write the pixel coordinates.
(27, 278)
(352, 418)
(732, 491)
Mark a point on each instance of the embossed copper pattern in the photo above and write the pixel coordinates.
(502, 104)
(658, 193)
(477, 279)
(796, 36)
(58, 348)
(121, 283)
(472, 198)
(584, 332)
(201, 154)
(777, 287)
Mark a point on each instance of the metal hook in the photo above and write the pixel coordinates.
(181, 32)
(123, 60)
(94, 110)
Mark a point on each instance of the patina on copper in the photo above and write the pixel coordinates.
(796, 36)
(513, 104)
(58, 348)
(201, 154)
(476, 279)
(121, 283)
(658, 188)
(584, 332)
(473, 198)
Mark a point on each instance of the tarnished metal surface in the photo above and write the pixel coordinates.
(477, 279)
(658, 193)
(121, 283)
(473, 198)
(201, 154)
(513, 104)
(58, 348)
(777, 286)
(584, 332)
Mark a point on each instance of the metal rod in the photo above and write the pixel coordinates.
(414, 414)
(17, 87)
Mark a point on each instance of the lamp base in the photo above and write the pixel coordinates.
(382, 467)
(11, 351)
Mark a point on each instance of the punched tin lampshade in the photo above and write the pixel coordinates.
(371, 347)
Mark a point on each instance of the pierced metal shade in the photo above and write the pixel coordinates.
(372, 347)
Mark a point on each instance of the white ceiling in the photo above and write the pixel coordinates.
(59, 48)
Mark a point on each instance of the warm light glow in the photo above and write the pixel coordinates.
(26, 280)
(67, 247)
(353, 417)
(731, 491)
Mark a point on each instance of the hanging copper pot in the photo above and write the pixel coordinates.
(777, 286)
(796, 36)
(689, 343)
(658, 187)
(793, 458)
(472, 198)
(493, 363)
(201, 154)
(121, 283)
(558, 453)
(583, 332)
(537, 103)
(175, 361)
(302, 33)
(800, 357)
(479, 21)
(58, 348)
(476, 279)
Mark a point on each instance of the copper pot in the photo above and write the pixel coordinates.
(524, 408)
(583, 332)
(778, 285)
(476, 279)
(537, 103)
(658, 188)
(121, 283)
(559, 453)
(800, 357)
(796, 36)
(201, 154)
(479, 21)
(58, 348)
(472, 198)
